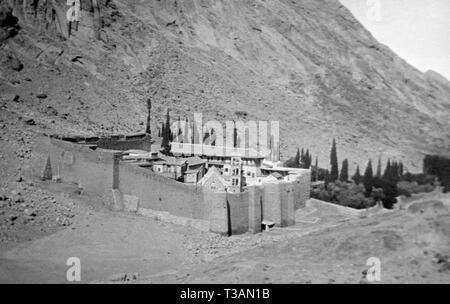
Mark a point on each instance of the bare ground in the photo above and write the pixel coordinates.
(328, 245)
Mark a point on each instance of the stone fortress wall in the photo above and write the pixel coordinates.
(124, 186)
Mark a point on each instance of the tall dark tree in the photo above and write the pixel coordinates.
(297, 159)
(394, 174)
(344, 171)
(334, 173)
(308, 160)
(206, 138)
(187, 132)
(165, 145)
(162, 129)
(180, 132)
(315, 171)
(368, 178)
(357, 178)
(302, 159)
(388, 171)
(148, 129)
(378, 175)
(327, 178)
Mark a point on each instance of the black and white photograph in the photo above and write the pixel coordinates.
(239, 142)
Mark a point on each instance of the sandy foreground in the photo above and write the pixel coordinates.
(327, 245)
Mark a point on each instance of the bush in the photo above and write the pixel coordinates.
(409, 188)
(421, 179)
(344, 194)
(390, 191)
(446, 185)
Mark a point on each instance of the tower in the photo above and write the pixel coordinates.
(236, 175)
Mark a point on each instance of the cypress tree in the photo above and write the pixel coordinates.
(368, 178)
(179, 127)
(387, 170)
(162, 129)
(395, 176)
(297, 159)
(302, 159)
(308, 160)
(316, 170)
(379, 168)
(148, 129)
(206, 136)
(357, 178)
(344, 171)
(165, 145)
(327, 178)
(334, 174)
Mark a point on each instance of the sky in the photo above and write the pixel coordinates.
(417, 30)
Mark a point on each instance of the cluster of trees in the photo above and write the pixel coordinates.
(371, 187)
(301, 160)
(377, 186)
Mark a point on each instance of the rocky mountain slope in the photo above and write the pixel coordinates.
(307, 63)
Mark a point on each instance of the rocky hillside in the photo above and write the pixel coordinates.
(309, 64)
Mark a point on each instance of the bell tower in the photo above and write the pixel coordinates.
(236, 175)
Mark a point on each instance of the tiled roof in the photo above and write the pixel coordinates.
(194, 161)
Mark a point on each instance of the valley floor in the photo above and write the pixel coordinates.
(327, 245)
